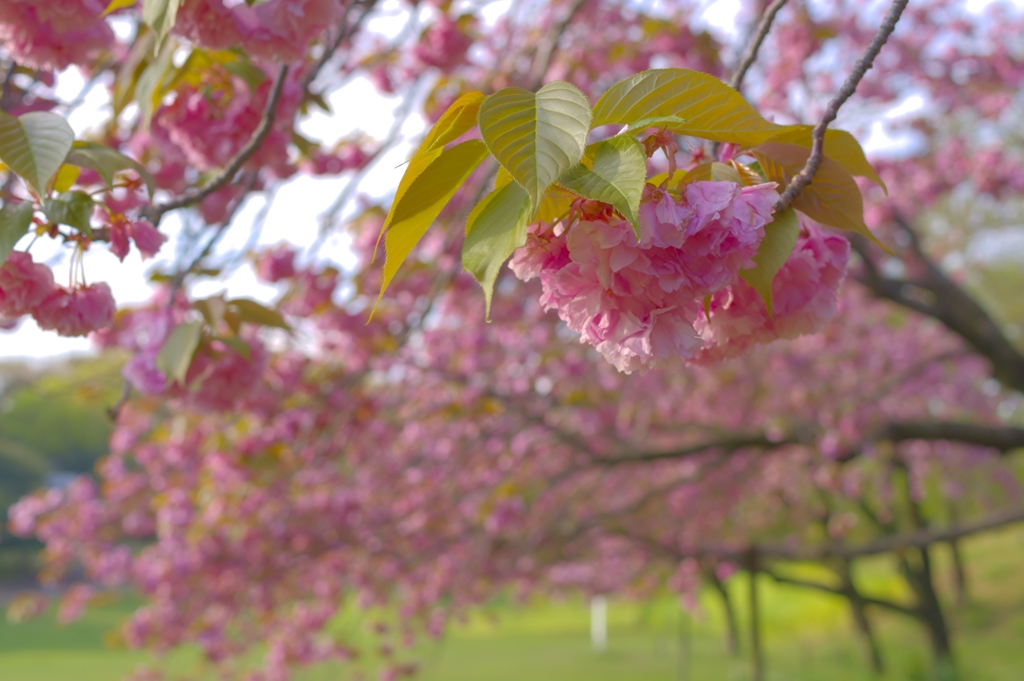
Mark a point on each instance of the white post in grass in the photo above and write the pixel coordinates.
(599, 623)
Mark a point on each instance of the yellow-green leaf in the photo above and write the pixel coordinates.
(713, 171)
(709, 108)
(656, 122)
(254, 313)
(496, 228)
(555, 204)
(160, 15)
(66, 177)
(840, 146)
(116, 5)
(153, 81)
(175, 354)
(617, 177)
(832, 198)
(34, 146)
(15, 219)
(779, 240)
(428, 184)
(536, 137)
(455, 122)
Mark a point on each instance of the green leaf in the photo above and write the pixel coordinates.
(160, 15)
(617, 177)
(107, 162)
(175, 355)
(154, 79)
(213, 310)
(840, 146)
(254, 313)
(34, 146)
(15, 219)
(779, 240)
(455, 122)
(832, 198)
(238, 345)
(253, 75)
(429, 183)
(70, 208)
(536, 137)
(496, 228)
(709, 108)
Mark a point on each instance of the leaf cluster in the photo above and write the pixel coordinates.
(540, 141)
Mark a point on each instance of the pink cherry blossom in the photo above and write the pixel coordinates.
(78, 311)
(274, 30)
(23, 285)
(804, 295)
(276, 264)
(146, 237)
(53, 35)
(636, 302)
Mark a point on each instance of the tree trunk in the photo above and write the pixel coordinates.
(732, 641)
(959, 570)
(756, 657)
(860, 618)
(920, 579)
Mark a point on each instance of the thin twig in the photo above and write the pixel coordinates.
(194, 196)
(547, 54)
(750, 55)
(804, 177)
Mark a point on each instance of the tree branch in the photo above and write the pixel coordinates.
(725, 445)
(191, 197)
(955, 308)
(867, 600)
(919, 539)
(1004, 438)
(804, 177)
(547, 54)
(750, 54)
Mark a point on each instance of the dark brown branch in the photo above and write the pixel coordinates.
(750, 54)
(1003, 439)
(804, 177)
(194, 196)
(726, 445)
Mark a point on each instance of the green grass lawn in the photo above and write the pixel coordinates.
(808, 637)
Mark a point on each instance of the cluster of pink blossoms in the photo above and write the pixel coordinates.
(804, 298)
(274, 30)
(641, 303)
(28, 287)
(53, 35)
(219, 376)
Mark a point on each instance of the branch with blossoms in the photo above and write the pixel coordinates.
(156, 212)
